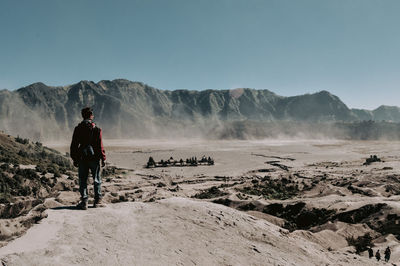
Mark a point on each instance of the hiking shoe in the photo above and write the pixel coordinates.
(82, 205)
(98, 203)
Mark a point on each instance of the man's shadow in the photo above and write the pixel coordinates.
(72, 207)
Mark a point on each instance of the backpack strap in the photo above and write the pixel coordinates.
(91, 135)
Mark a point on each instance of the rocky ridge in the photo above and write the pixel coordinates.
(133, 109)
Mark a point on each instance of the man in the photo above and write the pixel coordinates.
(378, 255)
(370, 252)
(387, 254)
(87, 151)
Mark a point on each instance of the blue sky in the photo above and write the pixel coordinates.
(348, 47)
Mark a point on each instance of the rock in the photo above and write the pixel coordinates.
(68, 197)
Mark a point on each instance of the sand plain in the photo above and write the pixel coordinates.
(281, 202)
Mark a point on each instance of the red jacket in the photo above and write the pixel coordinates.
(81, 138)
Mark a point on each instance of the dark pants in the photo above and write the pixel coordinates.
(83, 172)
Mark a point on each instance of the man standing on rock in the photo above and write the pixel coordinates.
(87, 151)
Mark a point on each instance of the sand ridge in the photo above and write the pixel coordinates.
(174, 231)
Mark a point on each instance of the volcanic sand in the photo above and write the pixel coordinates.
(165, 225)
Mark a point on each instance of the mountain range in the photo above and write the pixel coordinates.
(134, 109)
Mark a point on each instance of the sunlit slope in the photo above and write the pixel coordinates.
(133, 109)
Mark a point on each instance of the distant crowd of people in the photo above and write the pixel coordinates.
(193, 161)
(378, 254)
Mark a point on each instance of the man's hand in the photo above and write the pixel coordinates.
(103, 163)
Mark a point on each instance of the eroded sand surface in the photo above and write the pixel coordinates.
(289, 203)
(174, 231)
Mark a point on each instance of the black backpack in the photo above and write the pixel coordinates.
(87, 150)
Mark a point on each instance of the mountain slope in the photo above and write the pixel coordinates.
(389, 113)
(321, 106)
(133, 109)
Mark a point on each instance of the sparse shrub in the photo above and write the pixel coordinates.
(40, 168)
(21, 140)
(272, 189)
(160, 184)
(356, 216)
(151, 200)
(35, 190)
(298, 216)
(25, 191)
(45, 180)
(5, 167)
(226, 202)
(122, 198)
(247, 207)
(53, 168)
(109, 171)
(361, 243)
(242, 196)
(23, 153)
(5, 198)
(57, 174)
(210, 193)
(27, 173)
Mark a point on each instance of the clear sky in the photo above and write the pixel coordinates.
(348, 47)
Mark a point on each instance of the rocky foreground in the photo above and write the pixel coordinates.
(261, 203)
(174, 231)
